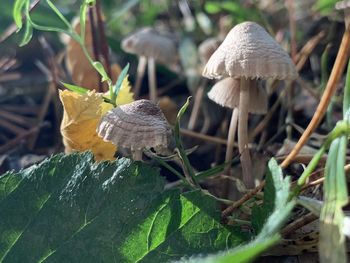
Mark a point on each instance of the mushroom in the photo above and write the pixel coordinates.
(248, 52)
(150, 46)
(205, 50)
(136, 126)
(226, 93)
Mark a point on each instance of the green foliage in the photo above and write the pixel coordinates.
(332, 238)
(70, 209)
(115, 89)
(282, 206)
(242, 254)
(325, 6)
(77, 89)
(238, 11)
(17, 12)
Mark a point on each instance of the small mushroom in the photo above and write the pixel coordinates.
(248, 52)
(136, 126)
(226, 93)
(150, 46)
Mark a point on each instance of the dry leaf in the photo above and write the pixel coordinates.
(82, 114)
(80, 69)
(169, 108)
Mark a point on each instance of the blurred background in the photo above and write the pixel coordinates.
(30, 111)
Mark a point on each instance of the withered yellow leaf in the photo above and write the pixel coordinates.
(82, 114)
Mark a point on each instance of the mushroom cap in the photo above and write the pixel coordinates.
(226, 93)
(150, 43)
(207, 48)
(249, 51)
(137, 125)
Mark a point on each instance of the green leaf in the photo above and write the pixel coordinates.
(326, 7)
(28, 34)
(70, 209)
(99, 67)
(332, 239)
(346, 102)
(74, 88)
(273, 183)
(212, 7)
(241, 254)
(17, 12)
(268, 235)
(119, 82)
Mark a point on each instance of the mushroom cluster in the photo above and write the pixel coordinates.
(248, 53)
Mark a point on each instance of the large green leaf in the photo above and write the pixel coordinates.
(275, 184)
(268, 235)
(70, 209)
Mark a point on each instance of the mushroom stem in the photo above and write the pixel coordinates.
(137, 155)
(231, 140)
(246, 161)
(152, 81)
(196, 106)
(141, 68)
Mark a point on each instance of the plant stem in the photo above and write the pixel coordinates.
(231, 140)
(246, 161)
(188, 169)
(141, 68)
(152, 81)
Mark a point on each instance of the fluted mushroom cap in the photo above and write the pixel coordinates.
(150, 43)
(207, 48)
(137, 125)
(249, 51)
(226, 93)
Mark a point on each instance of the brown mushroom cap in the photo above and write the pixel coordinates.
(226, 93)
(137, 125)
(207, 48)
(150, 43)
(249, 51)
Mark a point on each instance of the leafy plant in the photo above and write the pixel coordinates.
(69, 208)
(24, 6)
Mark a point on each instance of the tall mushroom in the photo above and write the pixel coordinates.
(150, 46)
(248, 52)
(226, 93)
(136, 126)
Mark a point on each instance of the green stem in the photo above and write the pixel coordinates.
(180, 148)
(171, 169)
(342, 128)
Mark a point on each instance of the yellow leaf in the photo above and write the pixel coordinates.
(125, 96)
(82, 114)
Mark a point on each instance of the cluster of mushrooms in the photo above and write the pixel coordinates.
(247, 55)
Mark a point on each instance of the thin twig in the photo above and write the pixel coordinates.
(338, 68)
(95, 46)
(241, 201)
(298, 223)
